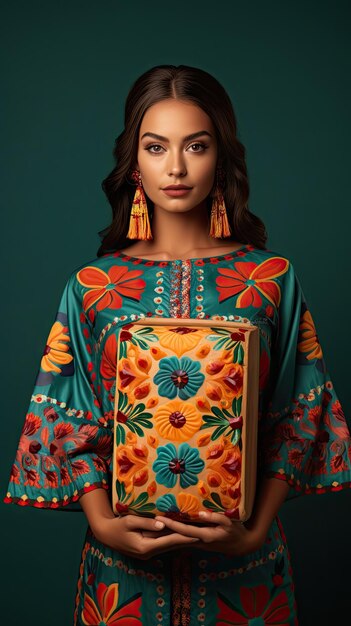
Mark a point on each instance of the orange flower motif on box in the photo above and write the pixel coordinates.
(131, 464)
(188, 503)
(133, 374)
(56, 350)
(104, 610)
(107, 289)
(310, 342)
(179, 339)
(250, 280)
(224, 464)
(224, 381)
(177, 420)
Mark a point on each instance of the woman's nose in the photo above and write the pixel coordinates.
(176, 164)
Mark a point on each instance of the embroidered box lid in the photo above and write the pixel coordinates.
(186, 410)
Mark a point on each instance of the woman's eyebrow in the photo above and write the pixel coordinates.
(187, 138)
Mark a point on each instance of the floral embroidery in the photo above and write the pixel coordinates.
(177, 421)
(66, 444)
(108, 361)
(56, 350)
(310, 342)
(170, 464)
(107, 289)
(256, 602)
(178, 377)
(103, 611)
(250, 280)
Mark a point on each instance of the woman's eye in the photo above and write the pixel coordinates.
(198, 144)
(155, 145)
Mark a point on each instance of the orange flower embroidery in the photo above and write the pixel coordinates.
(177, 420)
(310, 342)
(133, 374)
(250, 280)
(108, 288)
(180, 339)
(104, 610)
(56, 349)
(225, 379)
(224, 464)
(188, 504)
(131, 463)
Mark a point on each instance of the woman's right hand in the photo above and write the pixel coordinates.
(138, 537)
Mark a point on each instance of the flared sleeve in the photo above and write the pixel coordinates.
(303, 435)
(65, 446)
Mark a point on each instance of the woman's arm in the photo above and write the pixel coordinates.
(234, 538)
(271, 494)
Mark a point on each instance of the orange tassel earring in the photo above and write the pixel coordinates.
(139, 225)
(219, 226)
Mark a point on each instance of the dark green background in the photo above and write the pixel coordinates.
(67, 68)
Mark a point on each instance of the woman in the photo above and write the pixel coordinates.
(199, 253)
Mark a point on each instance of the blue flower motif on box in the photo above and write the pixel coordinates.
(178, 377)
(171, 463)
(167, 503)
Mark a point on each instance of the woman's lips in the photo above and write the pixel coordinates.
(176, 192)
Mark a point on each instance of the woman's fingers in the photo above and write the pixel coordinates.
(172, 541)
(215, 518)
(205, 517)
(156, 533)
(137, 522)
(205, 533)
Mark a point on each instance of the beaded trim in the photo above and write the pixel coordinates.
(39, 398)
(175, 289)
(211, 576)
(240, 252)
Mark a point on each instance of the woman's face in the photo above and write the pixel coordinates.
(173, 158)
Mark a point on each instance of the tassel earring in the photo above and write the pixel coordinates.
(139, 225)
(219, 226)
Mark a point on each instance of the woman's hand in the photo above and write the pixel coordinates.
(139, 537)
(222, 535)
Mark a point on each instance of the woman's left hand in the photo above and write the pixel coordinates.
(221, 535)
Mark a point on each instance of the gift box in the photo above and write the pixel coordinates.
(185, 420)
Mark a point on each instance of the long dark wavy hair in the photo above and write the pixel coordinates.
(191, 84)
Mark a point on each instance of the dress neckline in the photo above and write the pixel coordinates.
(196, 260)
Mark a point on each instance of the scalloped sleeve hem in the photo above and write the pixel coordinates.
(303, 488)
(64, 500)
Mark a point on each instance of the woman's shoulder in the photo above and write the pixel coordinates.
(99, 264)
(267, 256)
(95, 271)
(269, 264)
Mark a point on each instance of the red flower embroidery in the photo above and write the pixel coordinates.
(104, 610)
(108, 359)
(310, 342)
(107, 289)
(255, 602)
(250, 280)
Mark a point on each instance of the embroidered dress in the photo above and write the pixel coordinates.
(65, 448)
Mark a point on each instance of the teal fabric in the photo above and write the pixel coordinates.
(65, 447)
